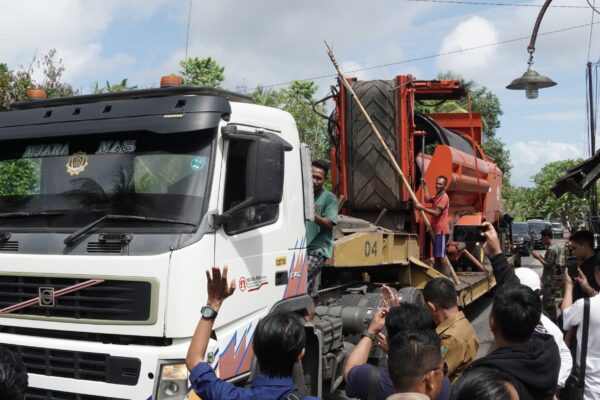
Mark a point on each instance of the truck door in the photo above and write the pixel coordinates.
(251, 240)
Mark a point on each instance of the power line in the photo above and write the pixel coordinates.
(484, 3)
(187, 35)
(411, 60)
(593, 6)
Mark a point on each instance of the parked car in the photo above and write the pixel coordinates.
(558, 229)
(521, 239)
(536, 227)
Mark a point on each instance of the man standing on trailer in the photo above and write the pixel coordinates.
(319, 233)
(439, 220)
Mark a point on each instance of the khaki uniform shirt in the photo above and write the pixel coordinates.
(459, 344)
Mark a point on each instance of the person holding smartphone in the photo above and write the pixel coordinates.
(551, 261)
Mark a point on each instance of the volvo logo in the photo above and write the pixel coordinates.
(46, 296)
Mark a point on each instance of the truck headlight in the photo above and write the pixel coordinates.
(173, 381)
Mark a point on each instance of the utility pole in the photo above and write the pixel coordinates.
(593, 193)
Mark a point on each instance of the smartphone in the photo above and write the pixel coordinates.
(468, 233)
(572, 267)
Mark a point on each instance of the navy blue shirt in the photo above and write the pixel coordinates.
(357, 384)
(208, 386)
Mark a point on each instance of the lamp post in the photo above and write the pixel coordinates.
(532, 81)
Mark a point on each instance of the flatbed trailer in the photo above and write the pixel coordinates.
(364, 246)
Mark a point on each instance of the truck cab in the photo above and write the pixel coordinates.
(115, 207)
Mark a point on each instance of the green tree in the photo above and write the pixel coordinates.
(21, 177)
(53, 69)
(113, 88)
(15, 83)
(267, 97)
(298, 99)
(567, 207)
(518, 202)
(484, 102)
(13, 86)
(202, 72)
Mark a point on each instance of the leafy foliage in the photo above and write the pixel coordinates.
(539, 201)
(53, 70)
(13, 86)
(298, 100)
(113, 88)
(20, 177)
(202, 72)
(484, 102)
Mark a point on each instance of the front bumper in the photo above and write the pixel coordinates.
(140, 386)
(522, 248)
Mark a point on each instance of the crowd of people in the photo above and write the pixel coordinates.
(431, 348)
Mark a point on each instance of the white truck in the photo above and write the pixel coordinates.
(117, 206)
(113, 206)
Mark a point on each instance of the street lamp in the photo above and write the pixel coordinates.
(532, 81)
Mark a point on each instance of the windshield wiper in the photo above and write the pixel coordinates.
(112, 217)
(19, 214)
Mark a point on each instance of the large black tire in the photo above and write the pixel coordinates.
(374, 184)
(411, 295)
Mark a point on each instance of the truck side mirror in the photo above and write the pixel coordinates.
(265, 171)
(254, 179)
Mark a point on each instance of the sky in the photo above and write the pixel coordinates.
(268, 42)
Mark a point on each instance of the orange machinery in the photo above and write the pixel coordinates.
(428, 145)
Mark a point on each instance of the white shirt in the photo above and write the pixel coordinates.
(573, 316)
(566, 361)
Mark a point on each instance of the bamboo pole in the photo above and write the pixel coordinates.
(475, 261)
(387, 152)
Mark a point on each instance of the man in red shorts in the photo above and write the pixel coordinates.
(439, 220)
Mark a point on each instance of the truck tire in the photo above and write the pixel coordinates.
(374, 184)
(411, 295)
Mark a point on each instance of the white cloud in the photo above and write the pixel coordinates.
(75, 28)
(475, 31)
(276, 41)
(529, 157)
(558, 55)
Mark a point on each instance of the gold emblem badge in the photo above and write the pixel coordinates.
(77, 163)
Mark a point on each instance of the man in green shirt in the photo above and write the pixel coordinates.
(319, 233)
(553, 261)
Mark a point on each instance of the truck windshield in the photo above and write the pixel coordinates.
(88, 177)
(537, 226)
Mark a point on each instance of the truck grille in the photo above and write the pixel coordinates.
(110, 300)
(43, 394)
(79, 365)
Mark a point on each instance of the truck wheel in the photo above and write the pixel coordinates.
(411, 295)
(374, 184)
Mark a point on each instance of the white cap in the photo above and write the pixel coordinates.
(529, 278)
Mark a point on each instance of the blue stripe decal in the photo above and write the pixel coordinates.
(245, 352)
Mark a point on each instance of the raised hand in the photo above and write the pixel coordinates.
(217, 287)
(583, 283)
(491, 246)
(390, 299)
(378, 321)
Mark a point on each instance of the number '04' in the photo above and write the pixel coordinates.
(370, 249)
